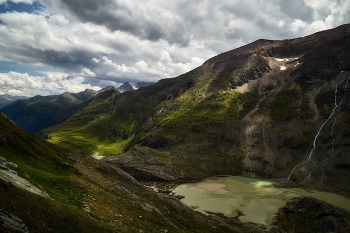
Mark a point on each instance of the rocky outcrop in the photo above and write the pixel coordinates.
(174, 203)
(308, 214)
(157, 141)
(2, 141)
(11, 223)
(140, 164)
(9, 174)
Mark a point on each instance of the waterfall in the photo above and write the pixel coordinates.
(309, 158)
(332, 132)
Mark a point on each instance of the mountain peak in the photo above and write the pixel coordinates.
(125, 87)
(142, 84)
(108, 88)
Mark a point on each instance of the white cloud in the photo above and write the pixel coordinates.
(297, 25)
(113, 74)
(281, 23)
(23, 84)
(86, 72)
(151, 39)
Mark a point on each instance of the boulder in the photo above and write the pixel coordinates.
(11, 223)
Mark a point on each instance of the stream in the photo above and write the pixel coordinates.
(257, 199)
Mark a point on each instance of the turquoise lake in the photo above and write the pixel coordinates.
(257, 199)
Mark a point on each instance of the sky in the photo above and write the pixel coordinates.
(54, 46)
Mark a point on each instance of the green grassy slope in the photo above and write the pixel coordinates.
(87, 195)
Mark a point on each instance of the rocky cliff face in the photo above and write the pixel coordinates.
(270, 109)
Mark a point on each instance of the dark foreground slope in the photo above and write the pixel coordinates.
(45, 188)
(266, 110)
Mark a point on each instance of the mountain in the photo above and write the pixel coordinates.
(108, 88)
(270, 109)
(277, 110)
(125, 87)
(46, 188)
(39, 112)
(142, 84)
(8, 99)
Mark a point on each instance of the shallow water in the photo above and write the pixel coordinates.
(97, 156)
(257, 199)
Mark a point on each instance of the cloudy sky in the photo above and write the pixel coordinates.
(52, 46)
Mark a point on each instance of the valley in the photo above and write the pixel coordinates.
(273, 110)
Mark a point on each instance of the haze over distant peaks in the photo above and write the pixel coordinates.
(8, 99)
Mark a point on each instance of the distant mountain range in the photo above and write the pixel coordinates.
(8, 99)
(126, 87)
(39, 112)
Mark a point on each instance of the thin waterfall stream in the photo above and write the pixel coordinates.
(309, 158)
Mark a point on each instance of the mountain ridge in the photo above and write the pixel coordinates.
(34, 112)
(276, 116)
(8, 99)
(236, 114)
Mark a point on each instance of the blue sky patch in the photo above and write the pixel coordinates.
(10, 6)
(6, 67)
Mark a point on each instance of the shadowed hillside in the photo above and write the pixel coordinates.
(254, 111)
(39, 112)
(46, 188)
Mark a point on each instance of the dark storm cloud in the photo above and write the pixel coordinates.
(118, 17)
(97, 81)
(71, 61)
(297, 9)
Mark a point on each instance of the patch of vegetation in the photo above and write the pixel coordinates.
(295, 143)
(306, 112)
(285, 107)
(324, 102)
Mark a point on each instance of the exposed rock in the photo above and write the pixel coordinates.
(308, 214)
(143, 174)
(11, 223)
(2, 141)
(139, 163)
(156, 141)
(109, 168)
(175, 203)
(120, 189)
(8, 174)
(151, 208)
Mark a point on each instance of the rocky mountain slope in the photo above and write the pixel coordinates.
(125, 87)
(40, 112)
(46, 188)
(271, 109)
